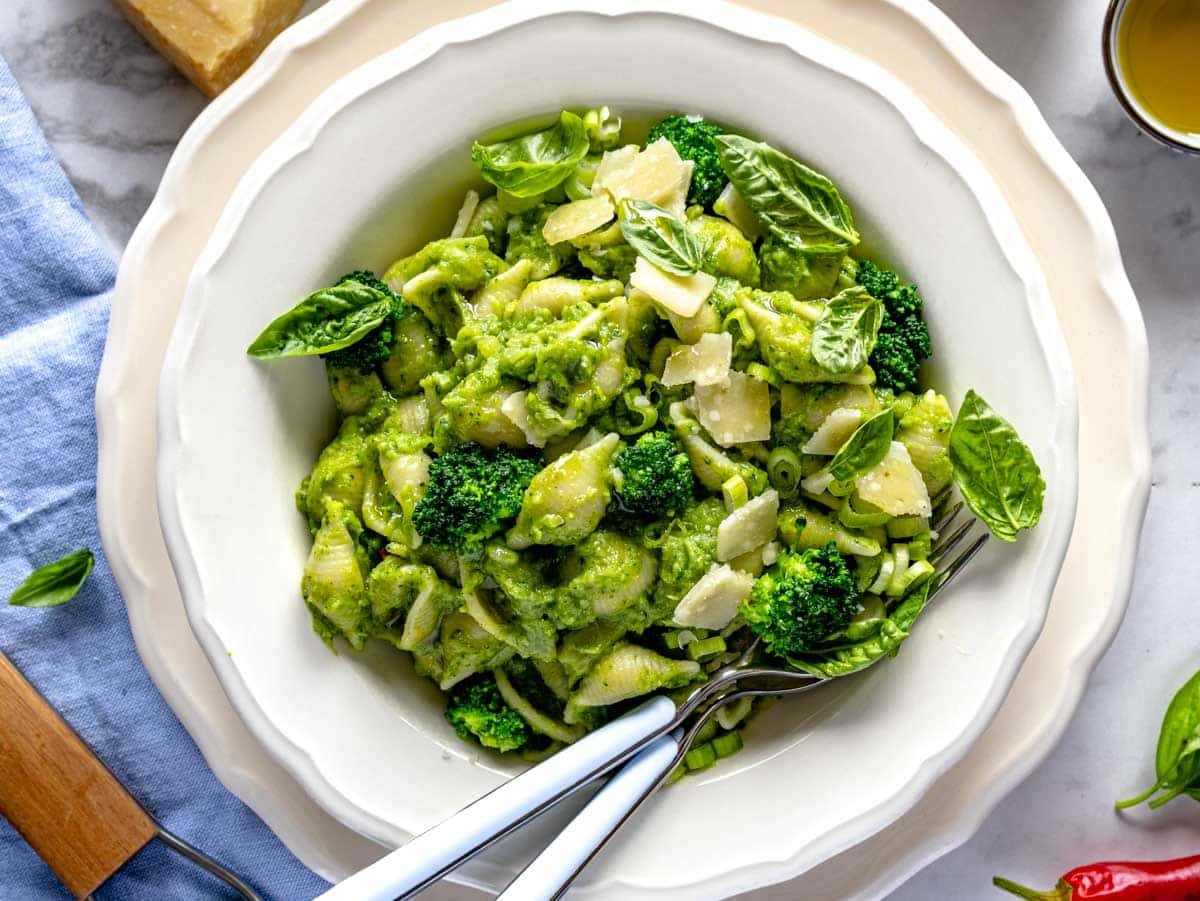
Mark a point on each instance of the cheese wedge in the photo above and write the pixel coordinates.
(212, 42)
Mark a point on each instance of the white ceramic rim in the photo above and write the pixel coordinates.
(759, 27)
(119, 500)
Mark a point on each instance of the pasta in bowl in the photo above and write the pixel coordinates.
(644, 410)
(356, 185)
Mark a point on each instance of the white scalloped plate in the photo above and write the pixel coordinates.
(1098, 316)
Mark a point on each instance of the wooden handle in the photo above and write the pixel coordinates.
(59, 795)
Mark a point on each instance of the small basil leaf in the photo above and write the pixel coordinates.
(55, 583)
(847, 659)
(994, 471)
(799, 206)
(661, 238)
(533, 164)
(867, 446)
(325, 321)
(844, 336)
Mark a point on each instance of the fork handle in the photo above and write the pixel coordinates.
(439, 850)
(551, 873)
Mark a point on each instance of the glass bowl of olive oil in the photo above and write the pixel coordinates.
(1152, 56)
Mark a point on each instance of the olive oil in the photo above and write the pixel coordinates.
(1158, 45)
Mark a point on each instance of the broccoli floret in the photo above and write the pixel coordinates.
(903, 341)
(473, 493)
(653, 477)
(694, 139)
(804, 598)
(365, 354)
(476, 710)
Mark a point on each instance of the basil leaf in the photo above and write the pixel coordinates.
(994, 471)
(661, 238)
(847, 659)
(844, 336)
(799, 206)
(533, 164)
(867, 446)
(326, 320)
(55, 583)
(1177, 758)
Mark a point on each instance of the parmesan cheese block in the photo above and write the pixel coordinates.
(713, 602)
(577, 218)
(836, 429)
(706, 362)
(736, 410)
(748, 527)
(682, 295)
(210, 41)
(895, 485)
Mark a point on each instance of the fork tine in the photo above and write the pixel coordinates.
(947, 544)
(945, 517)
(939, 502)
(957, 564)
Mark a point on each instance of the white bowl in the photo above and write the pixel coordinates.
(376, 166)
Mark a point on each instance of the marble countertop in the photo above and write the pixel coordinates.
(114, 110)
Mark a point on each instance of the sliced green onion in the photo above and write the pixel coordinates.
(707, 647)
(735, 492)
(905, 526)
(887, 566)
(784, 470)
(858, 514)
(840, 489)
(700, 758)
(729, 743)
(920, 546)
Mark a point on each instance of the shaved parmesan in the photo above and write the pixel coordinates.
(657, 174)
(735, 410)
(465, 212)
(817, 482)
(770, 553)
(682, 295)
(895, 485)
(577, 218)
(706, 362)
(748, 527)
(713, 602)
(518, 414)
(733, 207)
(613, 161)
(834, 432)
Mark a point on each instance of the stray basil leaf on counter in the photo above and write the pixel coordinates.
(533, 164)
(55, 583)
(845, 335)
(1177, 760)
(865, 448)
(994, 470)
(659, 237)
(799, 206)
(325, 321)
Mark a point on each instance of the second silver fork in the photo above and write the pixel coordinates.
(551, 873)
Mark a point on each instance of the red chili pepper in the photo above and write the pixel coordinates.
(1162, 880)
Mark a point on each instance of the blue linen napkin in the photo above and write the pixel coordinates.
(56, 280)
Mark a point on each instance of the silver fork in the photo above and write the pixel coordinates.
(439, 850)
(551, 873)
